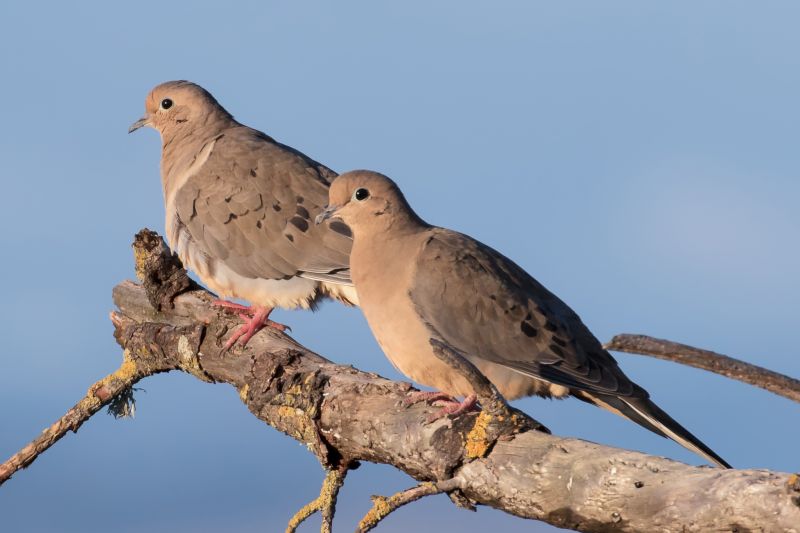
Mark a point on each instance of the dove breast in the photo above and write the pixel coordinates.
(239, 213)
(403, 334)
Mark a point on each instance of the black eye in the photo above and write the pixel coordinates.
(361, 194)
(166, 103)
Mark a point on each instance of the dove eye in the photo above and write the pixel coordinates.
(361, 194)
(166, 103)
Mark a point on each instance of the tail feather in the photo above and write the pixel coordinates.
(647, 414)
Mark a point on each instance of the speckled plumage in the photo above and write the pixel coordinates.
(240, 206)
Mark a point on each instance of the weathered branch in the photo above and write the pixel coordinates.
(135, 366)
(707, 360)
(383, 507)
(344, 415)
(99, 395)
(325, 503)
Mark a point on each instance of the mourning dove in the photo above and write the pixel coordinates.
(421, 285)
(240, 206)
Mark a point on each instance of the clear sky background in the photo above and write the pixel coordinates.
(639, 158)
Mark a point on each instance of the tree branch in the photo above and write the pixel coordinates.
(325, 503)
(707, 360)
(111, 388)
(344, 415)
(383, 507)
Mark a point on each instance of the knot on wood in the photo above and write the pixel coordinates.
(160, 271)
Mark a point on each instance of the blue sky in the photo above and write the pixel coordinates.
(638, 158)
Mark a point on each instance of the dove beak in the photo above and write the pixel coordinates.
(327, 213)
(144, 121)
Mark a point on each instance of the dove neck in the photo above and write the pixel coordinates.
(392, 221)
(179, 136)
(181, 147)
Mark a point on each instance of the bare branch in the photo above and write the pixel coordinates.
(135, 366)
(344, 415)
(383, 507)
(325, 503)
(106, 388)
(707, 360)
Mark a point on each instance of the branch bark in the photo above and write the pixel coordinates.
(344, 416)
(707, 360)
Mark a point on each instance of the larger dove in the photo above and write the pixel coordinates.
(418, 283)
(240, 207)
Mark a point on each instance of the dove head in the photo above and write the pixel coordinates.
(369, 202)
(177, 107)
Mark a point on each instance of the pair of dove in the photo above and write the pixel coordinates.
(241, 210)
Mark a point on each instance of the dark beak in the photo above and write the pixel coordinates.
(327, 213)
(144, 121)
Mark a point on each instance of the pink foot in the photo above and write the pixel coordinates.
(232, 306)
(450, 406)
(455, 408)
(255, 319)
(427, 397)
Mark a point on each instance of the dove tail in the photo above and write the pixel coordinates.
(647, 414)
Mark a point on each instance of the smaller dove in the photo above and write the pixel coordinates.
(239, 209)
(418, 283)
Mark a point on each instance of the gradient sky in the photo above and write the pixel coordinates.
(639, 158)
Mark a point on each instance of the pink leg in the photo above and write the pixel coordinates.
(255, 319)
(455, 408)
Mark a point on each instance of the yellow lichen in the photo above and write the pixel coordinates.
(139, 257)
(125, 373)
(285, 411)
(89, 403)
(380, 508)
(477, 440)
(300, 426)
(329, 488)
(127, 370)
(324, 503)
(243, 392)
(306, 511)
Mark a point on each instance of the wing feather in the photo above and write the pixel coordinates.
(252, 205)
(483, 304)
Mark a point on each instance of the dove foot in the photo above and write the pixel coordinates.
(255, 319)
(236, 308)
(453, 407)
(416, 397)
(450, 406)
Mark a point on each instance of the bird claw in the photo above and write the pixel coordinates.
(233, 307)
(455, 408)
(255, 319)
(450, 406)
(415, 397)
